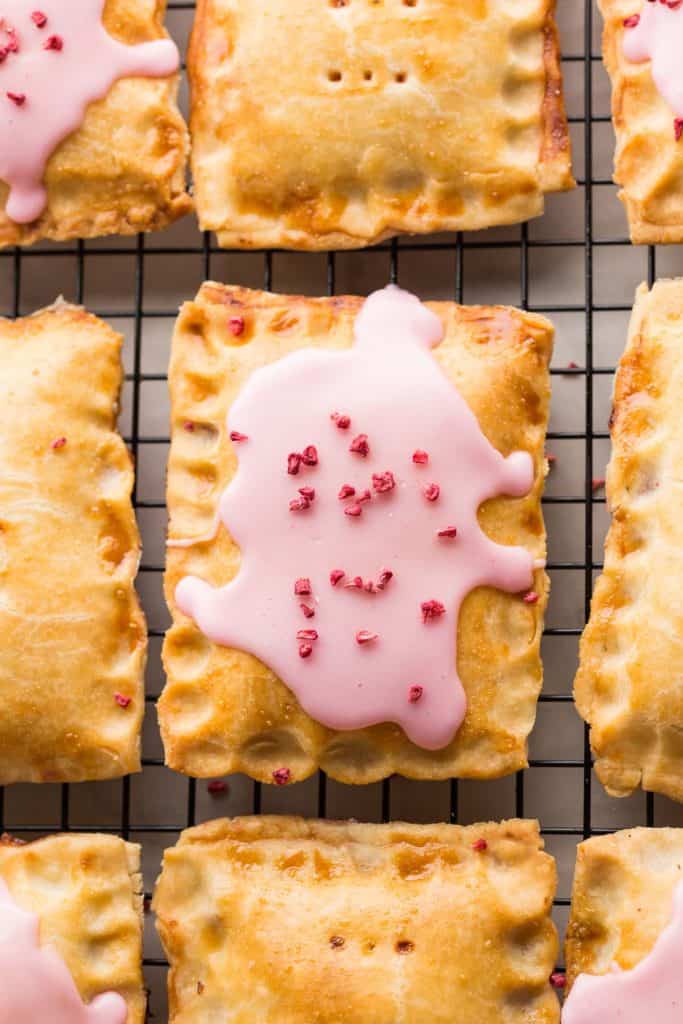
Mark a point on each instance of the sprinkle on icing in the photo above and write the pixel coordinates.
(374, 641)
(47, 83)
(656, 34)
(652, 990)
(35, 983)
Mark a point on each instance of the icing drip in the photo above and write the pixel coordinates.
(388, 565)
(35, 983)
(652, 990)
(657, 35)
(49, 72)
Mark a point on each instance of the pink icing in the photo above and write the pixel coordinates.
(35, 983)
(657, 35)
(58, 69)
(652, 990)
(371, 649)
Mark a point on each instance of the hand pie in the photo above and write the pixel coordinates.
(71, 931)
(286, 921)
(625, 936)
(332, 124)
(318, 592)
(73, 635)
(642, 43)
(629, 682)
(91, 140)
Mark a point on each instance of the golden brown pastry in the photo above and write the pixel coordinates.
(73, 635)
(330, 125)
(629, 682)
(622, 898)
(71, 930)
(648, 126)
(286, 921)
(91, 139)
(224, 710)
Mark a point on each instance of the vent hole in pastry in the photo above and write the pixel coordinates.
(367, 75)
(400, 77)
(410, 3)
(404, 946)
(337, 941)
(334, 76)
(339, 3)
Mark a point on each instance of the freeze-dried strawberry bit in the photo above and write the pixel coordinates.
(281, 776)
(58, 443)
(432, 610)
(366, 636)
(550, 458)
(355, 583)
(364, 496)
(236, 325)
(531, 597)
(308, 493)
(308, 610)
(18, 98)
(385, 576)
(354, 510)
(237, 437)
(448, 531)
(360, 445)
(293, 463)
(632, 21)
(383, 482)
(415, 694)
(309, 455)
(597, 482)
(302, 587)
(342, 421)
(305, 650)
(346, 491)
(420, 457)
(39, 19)
(188, 425)
(431, 492)
(558, 980)
(12, 44)
(370, 587)
(216, 787)
(54, 43)
(299, 504)
(678, 128)
(480, 846)
(122, 700)
(336, 576)
(307, 634)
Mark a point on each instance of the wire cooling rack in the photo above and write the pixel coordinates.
(575, 265)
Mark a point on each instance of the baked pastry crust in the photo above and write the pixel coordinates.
(73, 634)
(631, 660)
(87, 892)
(222, 709)
(301, 920)
(622, 897)
(382, 119)
(123, 170)
(648, 159)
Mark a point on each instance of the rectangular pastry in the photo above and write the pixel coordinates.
(286, 921)
(333, 124)
(642, 42)
(629, 682)
(73, 635)
(71, 931)
(319, 592)
(91, 139)
(625, 932)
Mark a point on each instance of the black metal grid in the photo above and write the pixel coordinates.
(453, 253)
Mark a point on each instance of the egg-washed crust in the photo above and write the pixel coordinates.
(73, 634)
(648, 160)
(631, 658)
(87, 893)
(123, 171)
(286, 921)
(622, 898)
(223, 710)
(284, 157)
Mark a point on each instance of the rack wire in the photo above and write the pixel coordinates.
(138, 285)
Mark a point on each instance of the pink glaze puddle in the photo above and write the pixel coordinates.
(652, 990)
(657, 35)
(54, 72)
(35, 983)
(395, 393)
